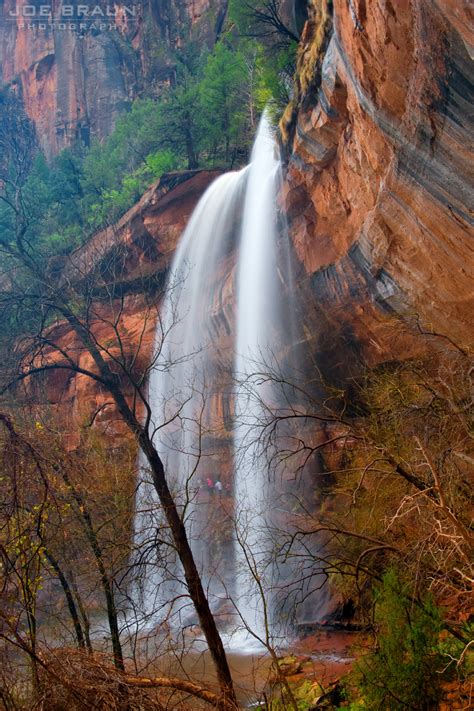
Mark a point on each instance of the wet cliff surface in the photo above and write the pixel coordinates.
(377, 195)
(379, 182)
(78, 65)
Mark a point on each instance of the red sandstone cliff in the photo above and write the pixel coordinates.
(76, 73)
(379, 183)
(377, 191)
(124, 270)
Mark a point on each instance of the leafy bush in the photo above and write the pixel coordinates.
(405, 670)
(161, 162)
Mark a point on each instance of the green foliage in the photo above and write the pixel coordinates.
(305, 694)
(161, 162)
(221, 92)
(136, 134)
(113, 203)
(405, 671)
(207, 115)
(277, 77)
(238, 15)
(180, 118)
(276, 53)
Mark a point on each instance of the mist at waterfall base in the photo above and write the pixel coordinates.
(230, 280)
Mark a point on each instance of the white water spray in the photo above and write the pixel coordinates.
(258, 326)
(186, 370)
(180, 382)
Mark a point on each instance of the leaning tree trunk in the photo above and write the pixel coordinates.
(193, 579)
(177, 528)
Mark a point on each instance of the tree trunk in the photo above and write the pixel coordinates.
(193, 579)
(104, 578)
(69, 598)
(191, 153)
(188, 687)
(178, 531)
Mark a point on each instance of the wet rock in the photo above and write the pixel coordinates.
(378, 187)
(291, 665)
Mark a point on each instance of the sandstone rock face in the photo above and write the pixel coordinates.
(124, 270)
(78, 65)
(377, 194)
(379, 181)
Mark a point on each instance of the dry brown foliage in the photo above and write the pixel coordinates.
(73, 680)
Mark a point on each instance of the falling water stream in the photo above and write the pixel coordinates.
(236, 215)
(258, 327)
(180, 383)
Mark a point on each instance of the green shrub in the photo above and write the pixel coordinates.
(161, 162)
(405, 670)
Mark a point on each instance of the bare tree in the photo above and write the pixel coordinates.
(409, 434)
(268, 21)
(84, 300)
(46, 526)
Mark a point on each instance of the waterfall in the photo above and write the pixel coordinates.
(258, 330)
(234, 224)
(180, 385)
